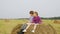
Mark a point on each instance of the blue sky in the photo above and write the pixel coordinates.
(21, 8)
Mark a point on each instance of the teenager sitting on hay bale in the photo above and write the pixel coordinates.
(25, 25)
(35, 19)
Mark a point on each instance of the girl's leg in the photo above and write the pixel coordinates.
(35, 25)
(27, 27)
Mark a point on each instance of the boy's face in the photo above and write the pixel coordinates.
(31, 14)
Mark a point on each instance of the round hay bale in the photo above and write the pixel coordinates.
(57, 21)
(40, 29)
(16, 29)
(6, 20)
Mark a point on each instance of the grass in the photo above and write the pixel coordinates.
(7, 27)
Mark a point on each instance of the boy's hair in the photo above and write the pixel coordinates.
(36, 13)
(31, 12)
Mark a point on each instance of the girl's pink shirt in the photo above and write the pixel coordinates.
(37, 20)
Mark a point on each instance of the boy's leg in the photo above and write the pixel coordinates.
(35, 25)
(27, 27)
(24, 26)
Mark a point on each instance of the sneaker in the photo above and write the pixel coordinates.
(33, 31)
(24, 30)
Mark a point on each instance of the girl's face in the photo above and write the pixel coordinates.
(34, 15)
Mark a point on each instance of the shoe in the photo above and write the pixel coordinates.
(24, 30)
(33, 31)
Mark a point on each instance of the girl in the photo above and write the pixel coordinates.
(36, 20)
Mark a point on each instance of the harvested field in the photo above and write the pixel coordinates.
(13, 26)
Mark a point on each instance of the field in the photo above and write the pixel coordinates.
(6, 26)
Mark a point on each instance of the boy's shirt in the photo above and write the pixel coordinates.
(31, 19)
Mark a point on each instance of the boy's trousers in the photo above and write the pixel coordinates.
(22, 28)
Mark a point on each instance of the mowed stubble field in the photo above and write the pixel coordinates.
(6, 26)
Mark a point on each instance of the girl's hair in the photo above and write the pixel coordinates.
(36, 13)
(31, 12)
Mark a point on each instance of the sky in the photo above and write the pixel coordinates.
(21, 8)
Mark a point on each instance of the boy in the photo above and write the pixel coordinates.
(31, 19)
(31, 15)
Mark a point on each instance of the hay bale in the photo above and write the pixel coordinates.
(16, 29)
(57, 21)
(41, 29)
(6, 20)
